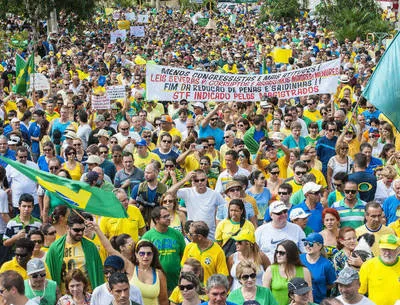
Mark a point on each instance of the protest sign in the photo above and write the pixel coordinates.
(170, 84)
(100, 102)
(108, 11)
(137, 31)
(281, 55)
(116, 92)
(142, 18)
(39, 82)
(116, 15)
(117, 34)
(130, 16)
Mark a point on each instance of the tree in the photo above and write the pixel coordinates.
(280, 10)
(350, 19)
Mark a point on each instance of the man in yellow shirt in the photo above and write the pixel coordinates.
(380, 275)
(50, 113)
(134, 225)
(166, 126)
(143, 156)
(208, 253)
(312, 113)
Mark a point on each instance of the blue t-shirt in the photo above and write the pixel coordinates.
(217, 133)
(366, 185)
(151, 194)
(262, 200)
(10, 154)
(375, 162)
(164, 157)
(389, 207)
(34, 131)
(258, 135)
(323, 274)
(44, 166)
(315, 218)
(325, 150)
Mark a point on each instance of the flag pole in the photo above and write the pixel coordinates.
(79, 214)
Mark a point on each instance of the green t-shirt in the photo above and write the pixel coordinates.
(42, 297)
(170, 246)
(263, 296)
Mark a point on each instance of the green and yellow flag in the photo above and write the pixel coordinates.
(75, 194)
(23, 71)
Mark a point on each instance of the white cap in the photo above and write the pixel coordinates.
(277, 207)
(298, 213)
(311, 187)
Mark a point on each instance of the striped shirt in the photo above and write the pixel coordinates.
(350, 217)
(15, 225)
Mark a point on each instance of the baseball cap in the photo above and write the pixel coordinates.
(102, 133)
(142, 142)
(298, 213)
(347, 276)
(99, 118)
(166, 118)
(264, 104)
(15, 120)
(93, 159)
(315, 238)
(115, 262)
(277, 207)
(246, 235)
(199, 105)
(389, 241)
(91, 176)
(311, 187)
(35, 265)
(298, 286)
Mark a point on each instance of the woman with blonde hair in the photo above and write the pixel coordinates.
(384, 187)
(178, 218)
(247, 250)
(311, 151)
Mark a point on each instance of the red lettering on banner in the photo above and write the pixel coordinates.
(158, 78)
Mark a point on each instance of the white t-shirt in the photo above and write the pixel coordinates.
(3, 210)
(101, 295)
(364, 301)
(382, 192)
(201, 206)
(225, 177)
(21, 184)
(268, 237)
(83, 133)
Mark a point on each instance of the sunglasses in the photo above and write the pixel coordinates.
(309, 244)
(213, 119)
(350, 191)
(211, 144)
(186, 287)
(331, 130)
(300, 173)
(37, 241)
(165, 141)
(275, 173)
(337, 185)
(52, 233)
(280, 253)
(169, 165)
(245, 277)
(144, 253)
(282, 193)
(21, 254)
(54, 168)
(77, 230)
(199, 180)
(169, 201)
(35, 276)
(105, 272)
(235, 189)
(306, 161)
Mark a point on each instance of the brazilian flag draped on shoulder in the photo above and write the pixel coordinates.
(23, 72)
(383, 88)
(75, 194)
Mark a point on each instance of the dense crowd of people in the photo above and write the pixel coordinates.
(282, 201)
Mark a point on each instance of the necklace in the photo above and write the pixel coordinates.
(38, 296)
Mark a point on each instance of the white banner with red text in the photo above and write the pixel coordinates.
(171, 84)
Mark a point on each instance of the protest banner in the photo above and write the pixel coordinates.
(116, 92)
(142, 18)
(117, 34)
(137, 31)
(171, 84)
(100, 102)
(130, 16)
(39, 82)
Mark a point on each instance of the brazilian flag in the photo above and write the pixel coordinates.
(75, 194)
(23, 72)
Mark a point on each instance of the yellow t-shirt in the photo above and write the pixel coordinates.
(314, 116)
(131, 225)
(191, 164)
(74, 257)
(143, 162)
(177, 298)
(212, 260)
(51, 117)
(395, 226)
(383, 231)
(380, 281)
(282, 163)
(226, 228)
(13, 265)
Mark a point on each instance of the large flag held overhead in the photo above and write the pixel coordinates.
(23, 71)
(383, 88)
(75, 194)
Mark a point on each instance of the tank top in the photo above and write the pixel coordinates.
(46, 296)
(149, 292)
(236, 284)
(75, 173)
(279, 284)
(176, 223)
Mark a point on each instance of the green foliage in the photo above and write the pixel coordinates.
(279, 10)
(124, 3)
(349, 19)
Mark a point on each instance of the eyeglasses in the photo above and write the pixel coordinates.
(124, 128)
(275, 173)
(287, 121)
(235, 189)
(148, 136)
(169, 165)
(104, 152)
(77, 230)
(51, 233)
(245, 277)
(21, 254)
(227, 137)
(213, 119)
(117, 156)
(23, 157)
(113, 142)
(300, 173)
(54, 168)
(168, 201)
(71, 153)
(35, 276)
(78, 144)
(282, 193)
(306, 161)
(186, 287)
(337, 185)
(281, 212)
(37, 241)
(350, 191)
(144, 253)
(204, 164)
(280, 253)
(309, 244)
(331, 130)
(211, 144)
(199, 180)
(166, 141)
